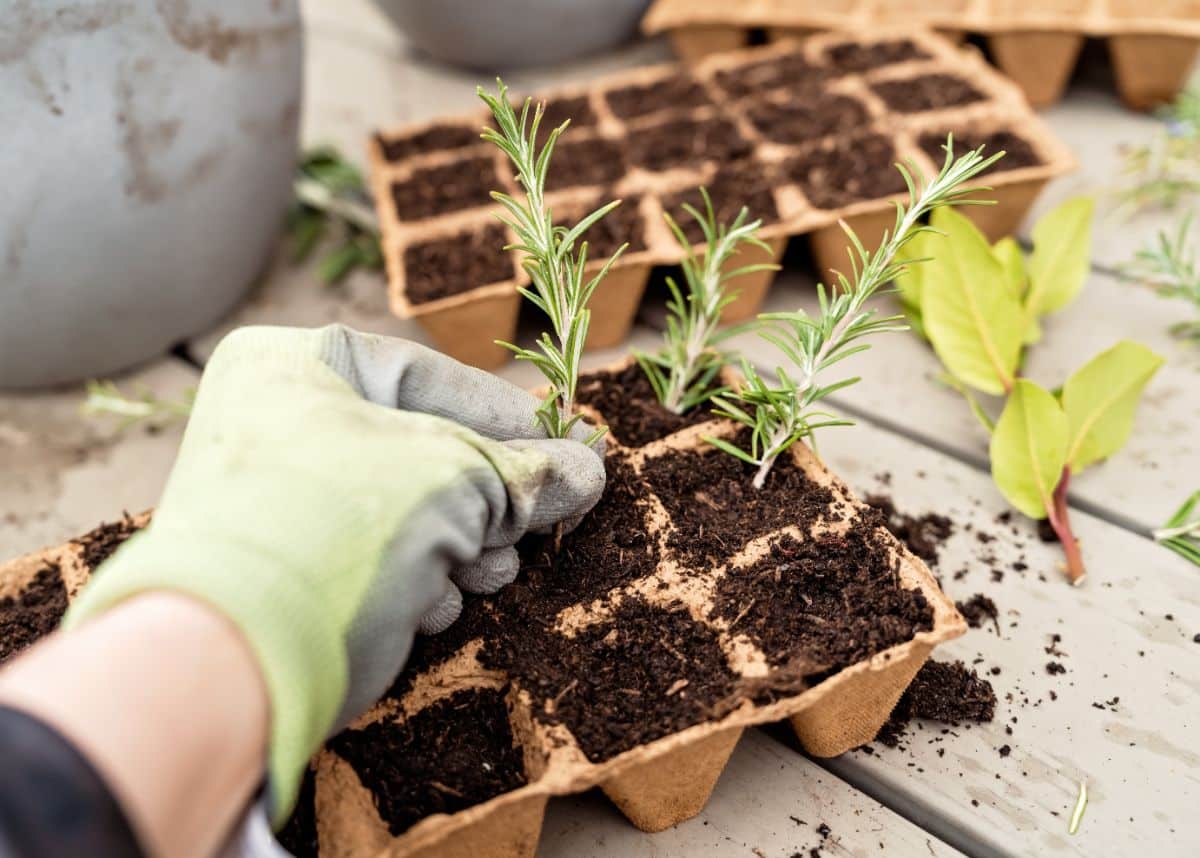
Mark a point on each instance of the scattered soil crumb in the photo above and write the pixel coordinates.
(979, 609)
(923, 535)
(949, 692)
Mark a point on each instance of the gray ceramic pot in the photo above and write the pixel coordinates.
(506, 34)
(146, 166)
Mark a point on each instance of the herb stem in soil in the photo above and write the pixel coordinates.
(1061, 522)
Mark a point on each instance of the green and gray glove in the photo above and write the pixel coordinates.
(330, 491)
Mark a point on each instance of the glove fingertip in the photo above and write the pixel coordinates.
(442, 615)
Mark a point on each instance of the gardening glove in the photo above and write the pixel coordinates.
(331, 489)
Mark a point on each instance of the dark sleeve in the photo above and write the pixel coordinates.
(52, 802)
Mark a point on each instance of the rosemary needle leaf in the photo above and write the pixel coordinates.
(559, 283)
(684, 372)
(1080, 806)
(779, 414)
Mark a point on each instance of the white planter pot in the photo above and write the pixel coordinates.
(146, 167)
(504, 34)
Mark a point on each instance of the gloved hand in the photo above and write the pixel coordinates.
(329, 488)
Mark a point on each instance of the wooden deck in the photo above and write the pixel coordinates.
(1125, 714)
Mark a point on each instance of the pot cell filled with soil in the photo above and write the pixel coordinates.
(630, 656)
(805, 136)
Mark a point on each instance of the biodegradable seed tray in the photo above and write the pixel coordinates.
(804, 135)
(1152, 43)
(640, 682)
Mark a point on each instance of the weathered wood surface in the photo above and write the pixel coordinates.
(62, 473)
(1139, 487)
(1127, 707)
(767, 804)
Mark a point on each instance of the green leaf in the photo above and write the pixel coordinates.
(1100, 400)
(910, 284)
(1058, 267)
(1029, 448)
(975, 323)
(1012, 260)
(339, 263)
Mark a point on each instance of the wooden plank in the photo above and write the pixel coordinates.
(1096, 127)
(1139, 487)
(64, 472)
(1123, 716)
(769, 803)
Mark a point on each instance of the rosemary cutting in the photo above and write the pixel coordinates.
(1168, 266)
(327, 190)
(781, 413)
(104, 398)
(1166, 171)
(1181, 533)
(683, 372)
(556, 269)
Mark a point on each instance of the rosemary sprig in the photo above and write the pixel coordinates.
(783, 414)
(328, 189)
(1164, 172)
(549, 256)
(1168, 266)
(683, 371)
(1181, 533)
(105, 398)
(1081, 803)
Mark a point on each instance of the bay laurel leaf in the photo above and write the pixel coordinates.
(1062, 247)
(1100, 400)
(970, 314)
(1029, 448)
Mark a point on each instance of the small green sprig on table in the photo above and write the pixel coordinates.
(328, 190)
(104, 398)
(782, 410)
(684, 372)
(560, 286)
(1163, 173)
(1181, 533)
(1168, 266)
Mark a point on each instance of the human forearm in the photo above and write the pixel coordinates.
(165, 699)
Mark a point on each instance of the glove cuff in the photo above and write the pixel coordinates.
(300, 653)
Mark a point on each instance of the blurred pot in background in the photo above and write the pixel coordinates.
(507, 34)
(146, 167)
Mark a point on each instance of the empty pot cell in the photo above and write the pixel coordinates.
(452, 187)
(859, 57)
(585, 162)
(438, 138)
(1019, 152)
(926, 92)
(714, 511)
(33, 613)
(802, 119)
(447, 266)
(679, 92)
(630, 407)
(734, 186)
(847, 171)
(819, 605)
(792, 71)
(456, 753)
(686, 142)
(649, 673)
